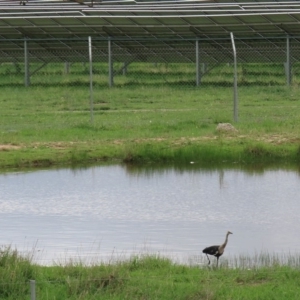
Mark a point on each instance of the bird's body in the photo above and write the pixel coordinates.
(217, 250)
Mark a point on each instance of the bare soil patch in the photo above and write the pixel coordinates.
(276, 139)
(8, 147)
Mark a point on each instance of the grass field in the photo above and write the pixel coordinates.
(151, 277)
(154, 113)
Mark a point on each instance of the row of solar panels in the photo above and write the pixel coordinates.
(148, 26)
(147, 2)
(171, 4)
(146, 10)
(177, 26)
(70, 8)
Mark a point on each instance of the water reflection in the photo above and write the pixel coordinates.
(177, 210)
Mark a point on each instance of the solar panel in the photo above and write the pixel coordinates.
(147, 25)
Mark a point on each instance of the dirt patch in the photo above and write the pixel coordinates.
(9, 147)
(279, 139)
(275, 139)
(56, 145)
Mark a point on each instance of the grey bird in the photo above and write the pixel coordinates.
(217, 250)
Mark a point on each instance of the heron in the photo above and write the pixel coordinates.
(216, 251)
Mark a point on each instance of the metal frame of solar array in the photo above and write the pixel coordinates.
(149, 31)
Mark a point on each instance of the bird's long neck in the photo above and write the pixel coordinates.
(222, 247)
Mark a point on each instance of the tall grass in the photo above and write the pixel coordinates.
(262, 276)
(15, 272)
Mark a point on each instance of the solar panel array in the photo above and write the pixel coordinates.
(178, 19)
(141, 28)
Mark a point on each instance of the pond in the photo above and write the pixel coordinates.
(110, 212)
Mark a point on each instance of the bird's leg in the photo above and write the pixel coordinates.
(217, 261)
(208, 260)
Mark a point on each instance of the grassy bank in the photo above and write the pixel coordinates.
(50, 122)
(151, 277)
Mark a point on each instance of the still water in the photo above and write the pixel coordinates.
(112, 211)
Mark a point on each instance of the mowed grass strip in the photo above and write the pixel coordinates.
(50, 123)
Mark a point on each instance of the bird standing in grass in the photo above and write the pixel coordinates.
(216, 251)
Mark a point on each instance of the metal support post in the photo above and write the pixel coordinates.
(124, 71)
(288, 68)
(235, 94)
(67, 67)
(32, 290)
(26, 64)
(91, 81)
(110, 65)
(198, 72)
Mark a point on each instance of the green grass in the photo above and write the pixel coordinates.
(262, 276)
(154, 113)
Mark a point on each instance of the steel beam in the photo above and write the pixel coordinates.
(235, 93)
(26, 64)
